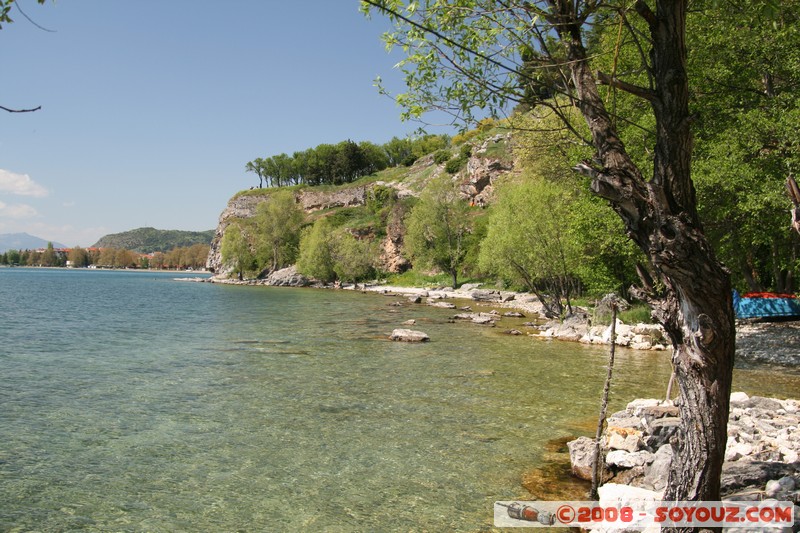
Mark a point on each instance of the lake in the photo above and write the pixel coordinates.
(133, 402)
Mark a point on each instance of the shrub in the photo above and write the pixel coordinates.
(352, 258)
(379, 197)
(442, 156)
(315, 258)
(454, 165)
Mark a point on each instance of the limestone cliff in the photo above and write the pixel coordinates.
(476, 182)
(243, 206)
(240, 206)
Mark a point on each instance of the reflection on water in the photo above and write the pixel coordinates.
(135, 403)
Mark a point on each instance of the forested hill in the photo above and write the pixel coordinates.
(148, 240)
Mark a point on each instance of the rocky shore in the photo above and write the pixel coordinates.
(761, 459)
(758, 342)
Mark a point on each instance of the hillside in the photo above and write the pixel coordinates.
(374, 206)
(148, 240)
(23, 241)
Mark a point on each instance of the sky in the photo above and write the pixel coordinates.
(151, 109)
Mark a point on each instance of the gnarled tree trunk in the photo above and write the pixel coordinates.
(660, 215)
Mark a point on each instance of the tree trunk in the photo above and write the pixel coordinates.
(660, 215)
(747, 272)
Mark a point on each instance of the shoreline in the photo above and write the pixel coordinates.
(760, 342)
(79, 269)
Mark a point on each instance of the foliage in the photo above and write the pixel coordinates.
(442, 156)
(544, 148)
(181, 257)
(148, 240)
(455, 165)
(78, 257)
(529, 241)
(352, 258)
(380, 198)
(747, 99)
(116, 258)
(638, 314)
(458, 162)
(315, 259)
(235, 250)
(328, 253)
(745, 94)
(5, 8)
(345, 162)
(480, 226)
(49, 256)
(439, 229)
(415, 278)
(480, 54)
(276, 231)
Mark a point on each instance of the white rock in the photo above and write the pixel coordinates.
(616, 495)
(607, 332)
(791, 406)
(640, 345)
(779, 488)
(736, 450)
(624, 459)
(789, 455)
(581, 456)
(636, 406)
(629, 442)
(409, 335)
(739, 397)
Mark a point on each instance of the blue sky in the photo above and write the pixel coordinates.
(151, 109)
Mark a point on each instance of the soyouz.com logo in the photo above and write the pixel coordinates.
(641, 514)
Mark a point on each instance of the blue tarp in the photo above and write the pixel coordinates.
(765, 307)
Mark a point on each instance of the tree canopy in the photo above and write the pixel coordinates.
(529, 240)
(439, 228)
(345, 162)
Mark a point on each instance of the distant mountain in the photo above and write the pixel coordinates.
(23, 241)
(148, 240)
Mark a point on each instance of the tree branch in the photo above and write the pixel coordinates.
(20, 110)
(635, 90)
(646, 13)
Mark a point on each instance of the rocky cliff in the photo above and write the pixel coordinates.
(243, 206)
(476, 182)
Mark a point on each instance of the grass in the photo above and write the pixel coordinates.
(498, 150)
(635, 315)
(360, 182)
(392, 174)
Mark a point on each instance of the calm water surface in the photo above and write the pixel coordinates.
(133, 402)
